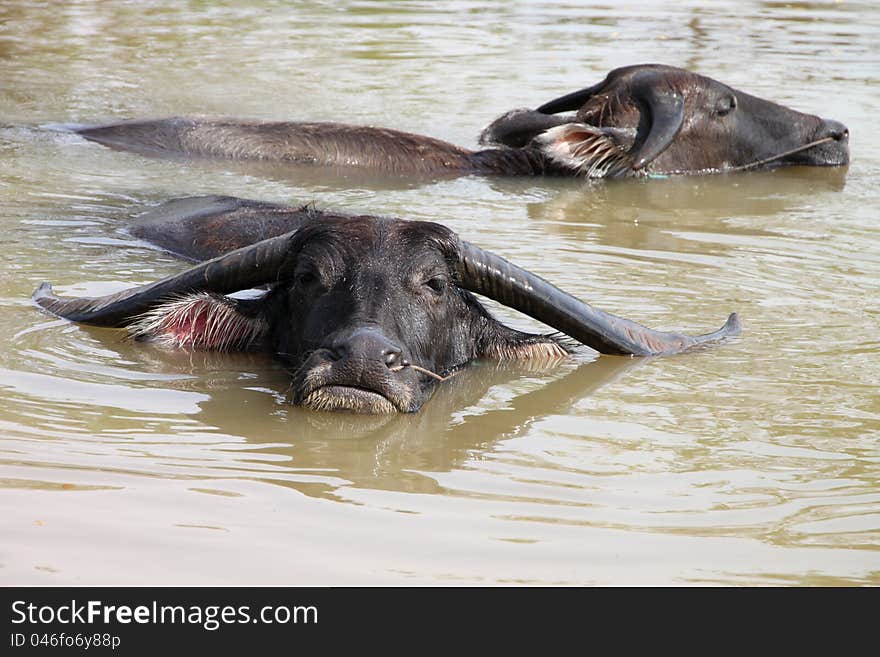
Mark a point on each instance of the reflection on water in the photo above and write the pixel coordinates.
(751, 463)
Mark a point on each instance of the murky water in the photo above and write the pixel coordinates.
(754, 463)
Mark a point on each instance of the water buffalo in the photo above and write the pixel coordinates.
(640, 120)
(369, 313)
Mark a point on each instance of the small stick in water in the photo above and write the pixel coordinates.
(434, 375)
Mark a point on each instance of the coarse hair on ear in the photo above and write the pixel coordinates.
(516, 345)
(497, 341)
(202, 321)
(588, 151)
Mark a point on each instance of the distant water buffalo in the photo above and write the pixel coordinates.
(369, 313)
(640, 120)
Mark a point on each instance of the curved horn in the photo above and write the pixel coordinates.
(518, 127)
(485, 273)
(570, 102)
(237, 270)
(667, 116)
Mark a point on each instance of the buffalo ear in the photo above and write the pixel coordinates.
(203, 321)
(497, 341)
(536, 349)
(589, 151)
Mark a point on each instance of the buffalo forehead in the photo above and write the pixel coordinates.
(360, 244)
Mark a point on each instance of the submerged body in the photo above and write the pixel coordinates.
(640, 120)
(319, 144)
(369, 313)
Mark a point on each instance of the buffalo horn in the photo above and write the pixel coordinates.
(667, 116)
(241, 269)
(570, 102)
(665, 105)
(492, 276)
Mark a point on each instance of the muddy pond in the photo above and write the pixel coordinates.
(756, 462)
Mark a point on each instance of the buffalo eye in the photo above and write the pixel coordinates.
(436, 284)
(726, 106)
(305, 279)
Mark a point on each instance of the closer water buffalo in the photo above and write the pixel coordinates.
(640, 120)
(369, 313)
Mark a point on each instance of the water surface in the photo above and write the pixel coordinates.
(753, 463)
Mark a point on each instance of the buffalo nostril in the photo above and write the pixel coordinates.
(337, 350)
(335, 353)
(393, 357)
(836, 130)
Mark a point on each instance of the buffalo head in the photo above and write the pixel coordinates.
(368, 313)
(664, 120)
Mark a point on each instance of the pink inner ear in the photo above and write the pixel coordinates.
(574, 136)
(187, 327)
(200, 321)
(588, 150)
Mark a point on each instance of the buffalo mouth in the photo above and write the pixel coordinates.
(829, 154)
(323, 385)
(349, 398)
